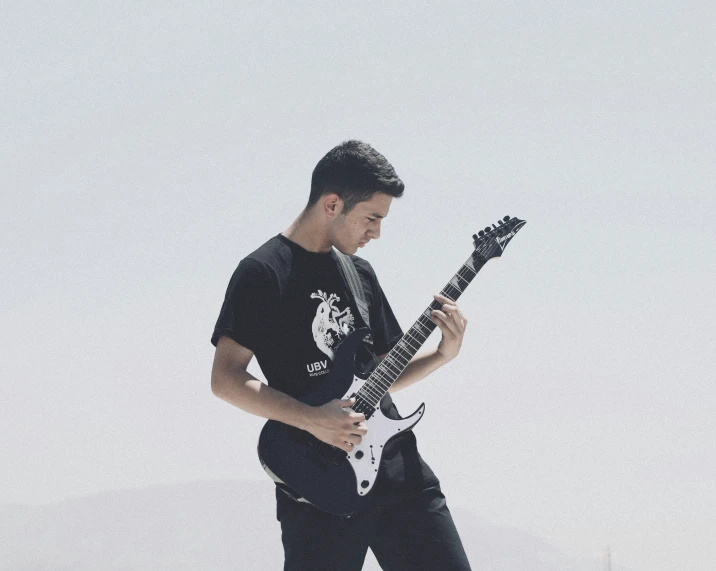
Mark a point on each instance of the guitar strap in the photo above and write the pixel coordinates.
(350, 274)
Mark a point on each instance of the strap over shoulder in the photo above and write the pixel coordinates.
(350, 274)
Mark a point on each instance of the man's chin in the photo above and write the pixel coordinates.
(347, 251)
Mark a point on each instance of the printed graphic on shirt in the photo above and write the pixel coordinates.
(330, 326)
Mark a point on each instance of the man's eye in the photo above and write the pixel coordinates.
(371, 219)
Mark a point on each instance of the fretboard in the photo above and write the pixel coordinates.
(390, 368)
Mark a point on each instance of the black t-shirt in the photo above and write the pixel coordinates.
(292, 308)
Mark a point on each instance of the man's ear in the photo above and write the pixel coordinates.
(332, 205)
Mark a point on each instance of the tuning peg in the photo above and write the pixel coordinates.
(474, 237)
(506, 218)
(500, 222)
(488, 229)
(481, 233)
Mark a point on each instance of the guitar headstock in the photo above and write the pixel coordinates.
(491, 242)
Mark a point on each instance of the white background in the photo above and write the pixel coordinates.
(145, 148)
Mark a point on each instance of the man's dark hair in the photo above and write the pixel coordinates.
(354, 171)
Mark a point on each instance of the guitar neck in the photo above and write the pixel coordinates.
(390, 368)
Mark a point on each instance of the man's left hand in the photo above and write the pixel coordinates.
(452, 324)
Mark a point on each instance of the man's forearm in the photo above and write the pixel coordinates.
(419, 367)
(241, 389)
(332, 422)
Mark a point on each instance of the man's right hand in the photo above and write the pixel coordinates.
(335, 424)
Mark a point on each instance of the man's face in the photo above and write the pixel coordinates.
(362, 224)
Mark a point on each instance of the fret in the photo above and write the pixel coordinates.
(428, 323)
(450, 297)
(402, 359)
(385, 373)
(426, 328)
(393, 372)
(407, 347)
(404, 355)
(387, 364)
(385, 379)
(378, 392)
(372, 391)
(454, 283)
(376, 389)
(392, 364)
(402, 344)
(395, 368)
(383, 388)
(415, 334)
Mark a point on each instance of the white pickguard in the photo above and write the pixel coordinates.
(365, 458)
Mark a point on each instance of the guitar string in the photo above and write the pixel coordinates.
(395, 362)
(381, 379)
(451, 291)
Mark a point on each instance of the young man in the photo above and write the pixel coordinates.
(290, 306)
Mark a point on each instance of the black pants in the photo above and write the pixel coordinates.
(412, 531)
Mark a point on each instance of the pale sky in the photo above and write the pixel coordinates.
(146, 148)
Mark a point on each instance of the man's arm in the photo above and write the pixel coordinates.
(230, 381)
(452, 324)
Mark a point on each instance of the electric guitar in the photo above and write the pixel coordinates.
(327, 477)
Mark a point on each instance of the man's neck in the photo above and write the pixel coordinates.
(309, 233)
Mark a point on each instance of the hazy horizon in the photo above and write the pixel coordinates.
(203, 525)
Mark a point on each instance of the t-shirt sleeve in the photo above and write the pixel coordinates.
(246, 312)
(384, 326)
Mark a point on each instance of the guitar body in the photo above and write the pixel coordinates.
(326, 476)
